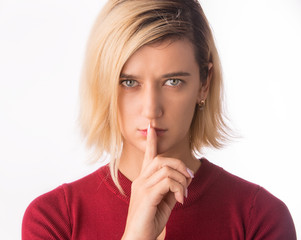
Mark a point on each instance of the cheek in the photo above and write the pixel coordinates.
(126, 113)
(184, 109)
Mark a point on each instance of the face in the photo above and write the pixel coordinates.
(159, 84)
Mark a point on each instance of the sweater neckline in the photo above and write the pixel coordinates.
(203, 179)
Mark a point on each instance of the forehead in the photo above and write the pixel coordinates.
(161, 57)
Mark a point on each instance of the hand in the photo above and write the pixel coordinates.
(161, 183)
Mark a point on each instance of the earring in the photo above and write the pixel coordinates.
(201, 104)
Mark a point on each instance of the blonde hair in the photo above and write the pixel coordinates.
(123, 27)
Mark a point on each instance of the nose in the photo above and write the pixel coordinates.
(151, 102)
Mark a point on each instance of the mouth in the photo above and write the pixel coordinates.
(159, 131)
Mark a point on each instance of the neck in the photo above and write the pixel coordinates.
(131, 161)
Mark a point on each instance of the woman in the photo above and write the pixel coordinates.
(152, 99)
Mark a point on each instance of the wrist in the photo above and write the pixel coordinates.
(129, 236)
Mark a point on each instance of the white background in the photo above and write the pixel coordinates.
(41, 53)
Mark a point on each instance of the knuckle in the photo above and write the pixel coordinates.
(165, 171)
(180, 164)
(156, 160)
(183, 182)
(160, 162)
(168, 181)
(176, 188)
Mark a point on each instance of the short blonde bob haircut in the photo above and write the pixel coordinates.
(123, 27)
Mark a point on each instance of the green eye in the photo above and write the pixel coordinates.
(129, 83)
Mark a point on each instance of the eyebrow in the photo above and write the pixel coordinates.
(176, 74)
(167, 75)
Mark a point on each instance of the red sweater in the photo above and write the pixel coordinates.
(219, 206)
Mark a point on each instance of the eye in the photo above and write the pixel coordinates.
(129, 83)
(174, 82)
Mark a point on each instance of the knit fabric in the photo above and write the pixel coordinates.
(219, 206)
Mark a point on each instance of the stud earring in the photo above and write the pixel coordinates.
(201, 104)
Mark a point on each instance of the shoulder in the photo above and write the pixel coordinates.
(267, 217)
(83, 186)
(51, 213)
(227, 184)
(47, 215)
(237, 187)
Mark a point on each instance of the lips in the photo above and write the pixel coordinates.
(159, 131)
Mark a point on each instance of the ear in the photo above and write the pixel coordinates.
(205, 86)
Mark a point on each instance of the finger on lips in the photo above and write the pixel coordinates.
(151, 154)
(169, 174)
(151, 146)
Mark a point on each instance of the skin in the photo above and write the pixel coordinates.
(157, 161)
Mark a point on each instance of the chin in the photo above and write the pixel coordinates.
(167, 151)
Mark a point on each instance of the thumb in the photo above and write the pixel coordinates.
(151, 147)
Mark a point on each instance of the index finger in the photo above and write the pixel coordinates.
(151, 147)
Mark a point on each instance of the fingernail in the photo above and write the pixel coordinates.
(148, 128)
(190, 172)
(186, 192)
